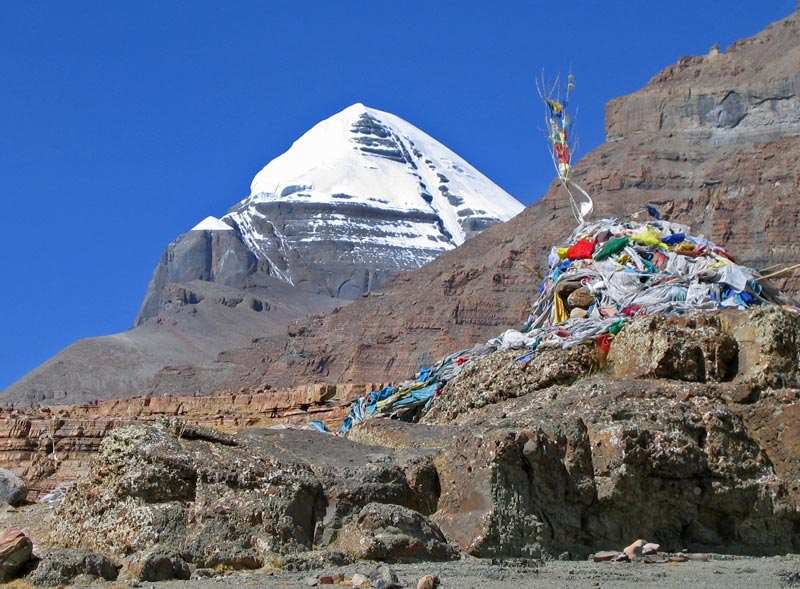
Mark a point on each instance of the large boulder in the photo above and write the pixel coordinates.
(768, 340)
(159, 565)
(694, 348)
(393, 533)
(584, 466)
(759, 348)
(13, 490)
(60, 567)
(15, 551)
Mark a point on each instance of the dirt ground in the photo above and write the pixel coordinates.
(721, 572)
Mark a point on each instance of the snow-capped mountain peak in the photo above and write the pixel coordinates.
(368, 187)
(380, 160)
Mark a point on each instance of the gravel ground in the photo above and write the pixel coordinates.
(729, 573)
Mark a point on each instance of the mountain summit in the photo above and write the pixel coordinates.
(364, 189)
(359, 197)
(362, 162)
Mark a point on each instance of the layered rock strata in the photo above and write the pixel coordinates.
(55, 445)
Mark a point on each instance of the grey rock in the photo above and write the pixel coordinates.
(383, 577)
(160, 565)
(393, 533)
(13, 490)
(203, 573)
(198, 255)
(621, 557)
(650, 548)
(312, 560)
(63, 566)
(581, 298)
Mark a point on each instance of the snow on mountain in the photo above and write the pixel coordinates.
(212, 224)
(371, 187)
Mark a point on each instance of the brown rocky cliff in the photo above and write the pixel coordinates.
(54, 445)
(714, 141)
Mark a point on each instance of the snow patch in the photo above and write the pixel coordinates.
(212, 224)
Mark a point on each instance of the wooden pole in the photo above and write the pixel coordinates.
(777, 273)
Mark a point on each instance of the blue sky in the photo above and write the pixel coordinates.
(122, 124)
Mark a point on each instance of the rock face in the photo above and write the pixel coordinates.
(504, 464)
(360, 197)
(713, 141)
(211, 255)
(53, 446)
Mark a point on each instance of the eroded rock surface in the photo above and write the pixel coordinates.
(239, 503)
(685, 434)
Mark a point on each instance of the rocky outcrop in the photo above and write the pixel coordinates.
(53, 446)
(209, 255)
(565, 468)
(239, 503)
(593, 464)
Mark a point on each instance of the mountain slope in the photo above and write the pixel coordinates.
(358, 198)
(714, 141)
